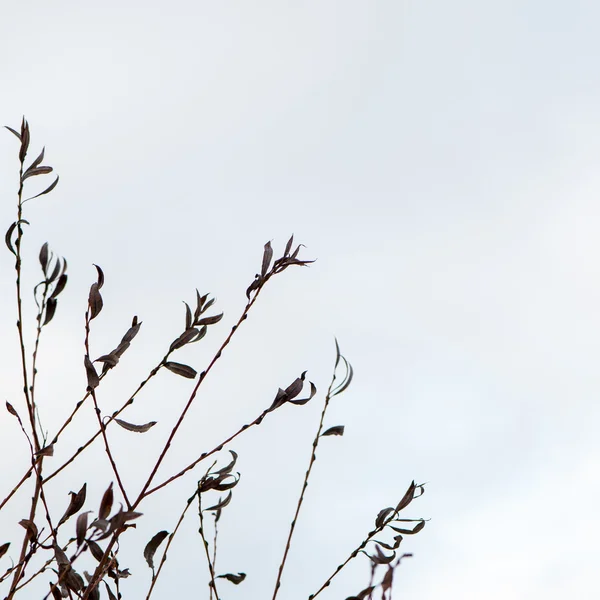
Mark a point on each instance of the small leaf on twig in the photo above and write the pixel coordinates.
(4, 549)
(179, 369)
(336, 430)
(95, 300)
(44, 257)
(382, 516)
(92, 376)
(46, 191)
(76, 504)
(221, 503)
(267, 257)
(81, 527)
(210, 320)
(32, 530)
(235, 579)
(136, 428)
(11, 409)
(33, 171)
(13, 131)
(51, 304)
(106, 503)
(152, 547)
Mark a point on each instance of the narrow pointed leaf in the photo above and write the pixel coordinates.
(136, 428)
(4, 549)
(152, 547)
(179, 369)
(267, 257)
(46, 191)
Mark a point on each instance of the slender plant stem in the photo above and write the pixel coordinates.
(211, 568)
(313, 457)
(193, 396)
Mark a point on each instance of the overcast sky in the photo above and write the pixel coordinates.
(440, 160)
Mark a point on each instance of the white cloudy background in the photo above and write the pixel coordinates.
(440, 159)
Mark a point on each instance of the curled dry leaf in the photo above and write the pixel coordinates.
(335, 430)
(179, 369)
(382, 516)
(407, 498)
(76, 504)
(136, 428)
(236, 579)
(152, 547)
(32, 530)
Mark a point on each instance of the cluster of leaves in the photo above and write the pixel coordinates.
(100, 537)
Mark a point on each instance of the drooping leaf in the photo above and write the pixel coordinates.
(92, 377)
(412, 531)
(95, 301)
(235, 579)
(300, 401)
(221, 503)
(31, 527)
(136, 428)
(96, 550)
(179, 369)
(81, 527)
(152, 547)
(335, 430)
(60, 285)
(9, 233)
(51, 304)
(106, 503)
(46, 191)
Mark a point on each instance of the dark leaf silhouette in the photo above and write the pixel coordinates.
(81, 527)
(136, 428)
(92, 376)
(336, 430)
(50, 310)
(152, 547)
(46, 191)
(267, 257)
(4, 549)
(76, 504)
(106, 503)
(235, 579)
(95, 301)
(179, 369)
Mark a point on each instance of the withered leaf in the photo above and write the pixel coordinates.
(227, 468)
(96, 550)
(109, 360)
(223, 486)
(380, 558)
(407, 498)
(76, 504)
(24, 141)
(51, 304)
(10, 408)
(111, 595)
(382, 516)
(336, 430)
(106, 503)
(60, 285)
(267, 257)
(363, 594)
(412, 531)
(288, 246)
(313, 391)
(100, 276)
(44, 254)
(221, 503)
(38, 160)
(136, 428)
(132, 331)
(210, 320)
(152, 547)
(33, 171)
(295, 387)
(92, 377)
(13, 131)
(254, 285)
(55, 591)
(117, 521)
(4, 549)
(81, 527)
(46, 451)
(32, 530)
(348, 376)
(185, 338)
(95, 301)
(46, 191)
(179, 369)
(235, 579)
(9, 233)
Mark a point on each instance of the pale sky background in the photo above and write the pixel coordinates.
(440, 160)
